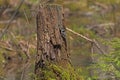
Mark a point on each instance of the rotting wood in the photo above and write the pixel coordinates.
(51, 43)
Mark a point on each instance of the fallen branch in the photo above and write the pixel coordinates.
(84, 37)
(88, 39)
(95, 43)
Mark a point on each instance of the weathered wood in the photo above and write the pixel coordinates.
(51, 43)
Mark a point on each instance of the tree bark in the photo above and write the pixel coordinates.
(51, 38)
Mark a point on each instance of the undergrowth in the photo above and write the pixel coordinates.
(55, 72)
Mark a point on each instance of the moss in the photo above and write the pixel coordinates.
(54, 72)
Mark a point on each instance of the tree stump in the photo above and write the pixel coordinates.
(51, 38)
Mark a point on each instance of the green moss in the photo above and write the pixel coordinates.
(54, 72)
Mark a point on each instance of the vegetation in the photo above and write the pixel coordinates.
(96, 19)
(55, 72)
(109, 63)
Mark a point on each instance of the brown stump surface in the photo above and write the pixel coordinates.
(51, 43)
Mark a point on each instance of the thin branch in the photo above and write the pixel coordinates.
(7, 49)
(98, 46)
(84, 37)
(6, 22)
(26, 17)
(95, 43)
(12, 18)
(25, 67)
(88, 39)
(5, 46)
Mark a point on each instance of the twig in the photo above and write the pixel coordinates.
(12, 18)
(2, 9)
(84, 37)
(4, 22)
(98, 46)
(8, 49)
(25, 66)
(88, 39)
(95, 43)
(26, 17)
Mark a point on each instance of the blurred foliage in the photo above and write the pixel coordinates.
(108, 65)
(80, 13)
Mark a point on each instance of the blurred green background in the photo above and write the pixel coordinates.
(95, 19)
